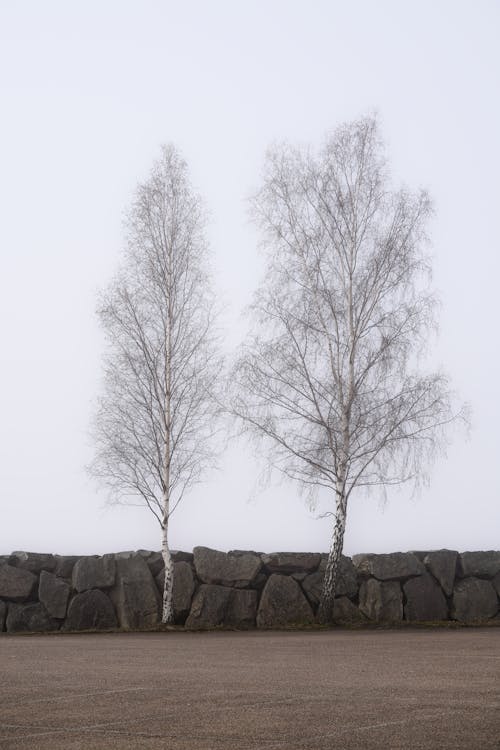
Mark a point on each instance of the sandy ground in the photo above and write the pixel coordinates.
(275, 690)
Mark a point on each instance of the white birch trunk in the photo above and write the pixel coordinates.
(168, 606)
(325, 611)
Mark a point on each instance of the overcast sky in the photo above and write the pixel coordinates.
(89, 91)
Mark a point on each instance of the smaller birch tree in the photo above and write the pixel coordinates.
(329, 380)
(156, 418)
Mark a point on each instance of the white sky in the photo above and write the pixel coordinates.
(89, 90)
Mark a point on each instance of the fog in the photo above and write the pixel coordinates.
(89, 92)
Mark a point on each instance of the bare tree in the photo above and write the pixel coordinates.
(157, 415)
(330, 379)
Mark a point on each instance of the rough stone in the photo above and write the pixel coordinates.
(479, 564)
(242, 609)
(425, 601)
(94, 573)
(183, 589)
(91, 610)
(346, 584)
(3, 614)
(474, 600)
(283, 603)
(154, 562)
(16, 584)
(393, 566)
(381, 600)
(53, 593)
(180, 556)
(496, 583)
(291, 562)
(346, 613)
(223, 569)
(135, 595)
(33, 561)
(216, 606)
(29, 618)
(209, 607)
(65, 564)
(442, 564)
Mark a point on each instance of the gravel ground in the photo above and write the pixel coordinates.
(309, 690)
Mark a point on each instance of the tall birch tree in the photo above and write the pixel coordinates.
(330, 379)
(156, 418)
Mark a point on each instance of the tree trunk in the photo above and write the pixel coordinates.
(168, 606)
(325, 610)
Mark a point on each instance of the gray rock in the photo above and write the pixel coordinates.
(209, 607)
(3, 615)
(135, 595)
(479, 564)
(283, 603)
(474, 600)
(425, 601)
(442, 564)
(53, 593)
(393, 566)
(16, 584)
(91, 610)
(346, 613)
(242, 609)
(33, 561)
(291, 562)
(183, 589)
(224, 569)
(94, 573)
(346, 584)
(29, 618)
(65, 564)
(381, 600)
(180, 556)
(220, 606)
(496, 583)
(4, 559)
(155, 563)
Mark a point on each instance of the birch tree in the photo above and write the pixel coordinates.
(156, 419)
(330, 378)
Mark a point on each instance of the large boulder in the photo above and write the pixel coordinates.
(53, 592)
(242, 609)
(221, 568)
(16, 584)
(209, 607)
(346, 613)
(496, 583)
(154, 561)
(393, 566)
(479, 564)
(33, 561)
(3, 615)
(291, 562)
(474, 600)
(220, 606)
(346, 583)
(91, 610)
(94, 573)
(183, 589)
(29, 618)
(283, 603)
(381, 601)
(442, 564)
(65, 564)
(135, 595)
(425, 601)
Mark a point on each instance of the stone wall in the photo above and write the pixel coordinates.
(43, 592)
